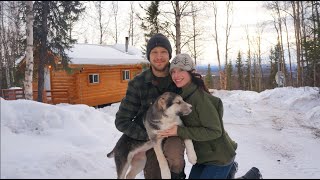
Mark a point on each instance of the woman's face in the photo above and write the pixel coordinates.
(180, 77)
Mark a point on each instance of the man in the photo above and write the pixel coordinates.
(142, 91)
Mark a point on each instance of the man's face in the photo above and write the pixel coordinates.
(159, 58)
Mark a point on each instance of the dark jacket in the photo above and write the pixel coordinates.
(205, 127)
(142, 91)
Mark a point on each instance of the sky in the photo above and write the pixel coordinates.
(277, 131)
(245, 14)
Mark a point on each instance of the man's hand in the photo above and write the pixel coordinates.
(169, 132)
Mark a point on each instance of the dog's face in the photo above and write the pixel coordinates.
(173, 104)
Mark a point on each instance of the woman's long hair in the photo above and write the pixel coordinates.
(197, 79)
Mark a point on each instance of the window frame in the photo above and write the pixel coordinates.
(125, 75)
(93, 78)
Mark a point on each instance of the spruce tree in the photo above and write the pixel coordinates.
(239, 66)
(274, 65)
(208, 78)
(151, 24)
(51, 37)
(229, 75)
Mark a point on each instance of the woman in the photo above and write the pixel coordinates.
(214, 148)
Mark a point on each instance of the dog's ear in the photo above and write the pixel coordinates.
(161, 103)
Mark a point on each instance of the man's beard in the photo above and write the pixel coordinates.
(164, 69)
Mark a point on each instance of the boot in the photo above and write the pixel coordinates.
(180, 175)
(253, 173)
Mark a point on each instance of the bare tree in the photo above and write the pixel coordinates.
(179, 12)
(259, 75)
(173, 19)
(229, 6)
(221, 73)
(115, 9)
(29, 52)
(289, 53)
(5, 47)
(249, 59)
(103, 25)
(131, 18)
(194, 47)
(11, 36)
(296, 19)
(2, 58)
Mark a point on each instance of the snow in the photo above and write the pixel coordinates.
(104, 55)
(277, 131)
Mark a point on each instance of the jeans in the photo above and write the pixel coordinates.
(202, 171)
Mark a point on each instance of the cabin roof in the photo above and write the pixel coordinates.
(105, 54)
(102, 55)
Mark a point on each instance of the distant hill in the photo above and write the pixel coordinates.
(202, 69)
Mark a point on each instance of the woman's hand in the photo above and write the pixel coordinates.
(169, 132)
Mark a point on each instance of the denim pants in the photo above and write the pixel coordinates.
(202, 171)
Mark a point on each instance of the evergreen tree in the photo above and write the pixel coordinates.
(248, 74)
(51, 37)
(274, 65)
(229, 75)
(225, 80)
(208, 78)
(255, 74)
(239, 66)
(151, 24)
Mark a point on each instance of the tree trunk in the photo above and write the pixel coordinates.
(283, 64)
(43, 50)
(29, 53)
(289, 54)
(249, 60)
(221, 73)
(304, 59)
(296, 18)
(228, 27)
(178, 28)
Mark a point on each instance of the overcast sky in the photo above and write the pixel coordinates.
(245, 14)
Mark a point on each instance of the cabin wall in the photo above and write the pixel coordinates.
(62, 86)
(111, 88)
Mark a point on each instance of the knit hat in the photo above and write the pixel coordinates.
(158, 40)
(182, 61)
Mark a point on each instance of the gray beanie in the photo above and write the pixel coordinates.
(158, 40)
(182, 61)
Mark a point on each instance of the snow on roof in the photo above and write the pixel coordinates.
(105, 54)
(131, 50)
(20, 59)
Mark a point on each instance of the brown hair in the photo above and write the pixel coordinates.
(197, 79)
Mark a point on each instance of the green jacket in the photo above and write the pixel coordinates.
(142, 91)
(204, 126)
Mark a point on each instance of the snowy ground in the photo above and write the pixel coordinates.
(277, 131)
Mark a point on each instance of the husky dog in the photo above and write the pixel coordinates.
(161, 115)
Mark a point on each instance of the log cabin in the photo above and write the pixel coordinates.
(99, 75)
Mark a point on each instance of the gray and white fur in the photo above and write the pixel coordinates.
(162, 115)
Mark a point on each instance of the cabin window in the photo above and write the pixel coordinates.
(125, 75)
(93, 78)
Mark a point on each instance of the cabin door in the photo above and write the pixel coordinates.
(47, 79)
